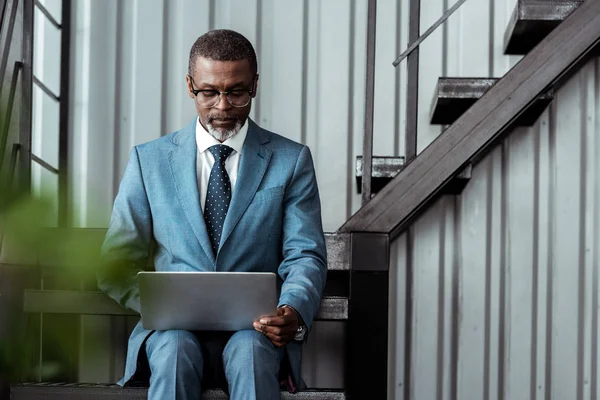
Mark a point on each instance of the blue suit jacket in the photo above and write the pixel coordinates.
(273, 224)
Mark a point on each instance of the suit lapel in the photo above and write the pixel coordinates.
(182, 161)
(253, 165)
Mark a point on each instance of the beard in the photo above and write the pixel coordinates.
(222, 134)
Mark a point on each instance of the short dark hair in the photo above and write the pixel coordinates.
(223, 45)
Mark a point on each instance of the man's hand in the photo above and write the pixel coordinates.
(280, 329)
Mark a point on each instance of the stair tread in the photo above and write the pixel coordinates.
(533, 20)
(385, 168)
(454, 96)
(72, 391)
(97, 303)
(337, 248)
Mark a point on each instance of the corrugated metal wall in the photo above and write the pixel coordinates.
(505, 276)
(131, 60)
(500, 306)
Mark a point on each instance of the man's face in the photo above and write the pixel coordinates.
(222, 120)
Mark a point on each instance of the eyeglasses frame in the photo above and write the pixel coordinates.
(226, 93)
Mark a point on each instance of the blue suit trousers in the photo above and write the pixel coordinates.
(181, 362)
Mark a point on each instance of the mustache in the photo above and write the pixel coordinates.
(222, 117)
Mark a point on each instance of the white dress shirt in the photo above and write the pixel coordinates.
(205, 159)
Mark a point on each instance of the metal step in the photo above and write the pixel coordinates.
(386, 168)
(57, 391)
(533, 20)
(454, 96)
(97, 303)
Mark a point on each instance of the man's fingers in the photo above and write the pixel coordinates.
(280, 329)
(277, 321)
(284, 331)
(277, 340)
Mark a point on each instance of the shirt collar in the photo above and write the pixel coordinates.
(204, 139)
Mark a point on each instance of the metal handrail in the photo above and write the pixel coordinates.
(46, 89)
(45, 11)
(428, 32)
(44, 164)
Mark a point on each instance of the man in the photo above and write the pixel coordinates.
(268, 220)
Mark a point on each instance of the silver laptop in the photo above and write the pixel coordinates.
(224, 301)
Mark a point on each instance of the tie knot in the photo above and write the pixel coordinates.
(220, 152)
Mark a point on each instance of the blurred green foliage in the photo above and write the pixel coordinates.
(32, 253)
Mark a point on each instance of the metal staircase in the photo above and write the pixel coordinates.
(395, 189)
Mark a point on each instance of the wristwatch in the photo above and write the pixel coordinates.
(302, 329)
(300, 333)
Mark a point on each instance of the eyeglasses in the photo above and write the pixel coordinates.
(210, 98)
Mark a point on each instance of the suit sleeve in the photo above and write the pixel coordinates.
(126, 248)
(304, 265)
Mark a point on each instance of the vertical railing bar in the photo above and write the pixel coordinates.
(63, 148)
(412, 105)
(369, 103)
(13, 166)
(6, 50)
(412, 112)
(11, 174)
(26, 99)
(9, 108)
(4, 6)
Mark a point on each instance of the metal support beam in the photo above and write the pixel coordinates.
(368, 317)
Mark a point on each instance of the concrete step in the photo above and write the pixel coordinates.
(337, 248)
(58, 391)
(454, 96)
(533, 20)
(333, 308)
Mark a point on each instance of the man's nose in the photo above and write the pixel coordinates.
(223, 103)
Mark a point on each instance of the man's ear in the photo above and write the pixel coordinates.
(188, 82)
(255, 88)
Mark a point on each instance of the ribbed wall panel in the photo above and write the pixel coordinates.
(131, 59)
(500, 307)
(505, 276)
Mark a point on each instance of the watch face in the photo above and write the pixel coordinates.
(300, 333)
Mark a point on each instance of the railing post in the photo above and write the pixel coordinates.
(26, 99)
(369, 103)
(63, 147)
(367, 342)
(412, 105)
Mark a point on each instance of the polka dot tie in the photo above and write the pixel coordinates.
(218, 195)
